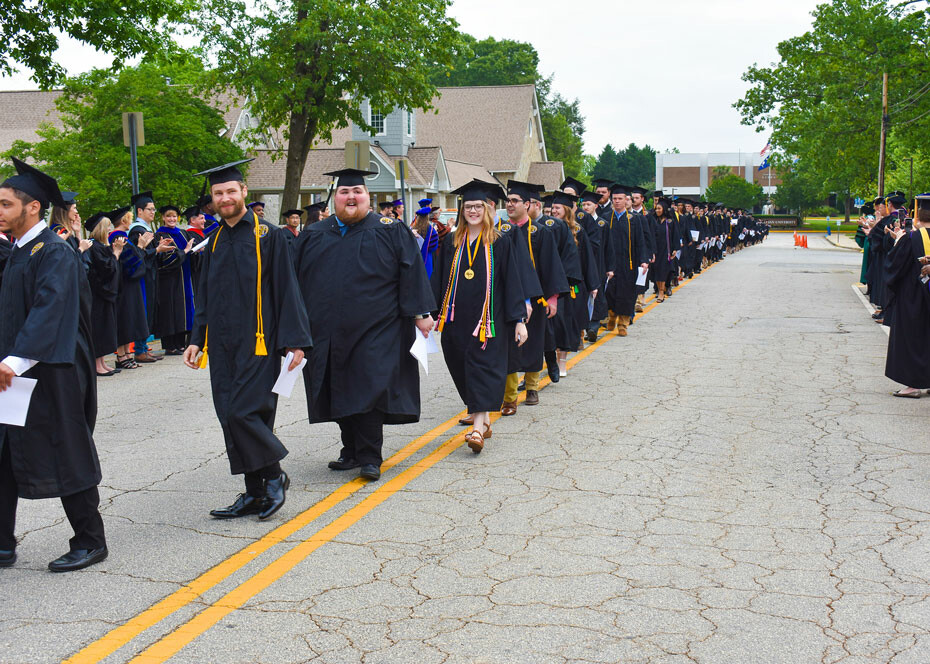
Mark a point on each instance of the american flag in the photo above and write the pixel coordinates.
(768, 146)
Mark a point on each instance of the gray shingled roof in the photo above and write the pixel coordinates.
(22, 111)
(550, 174)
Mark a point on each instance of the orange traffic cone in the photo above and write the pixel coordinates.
(797, 241)
(804, 241)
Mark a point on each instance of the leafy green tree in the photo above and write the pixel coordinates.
(124, 30)
(308, 66)
(606, 164)
(183, 135)
(822, 101)
(797, 192)
(488, 62)
(734, 191)
(636, 165)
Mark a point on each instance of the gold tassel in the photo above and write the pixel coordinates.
(260, 349)
(260, 344)
(203, 357)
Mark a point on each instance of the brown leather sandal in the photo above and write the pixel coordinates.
(468, 420)
(475, 441)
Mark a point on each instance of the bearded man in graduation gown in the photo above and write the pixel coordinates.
(365, 288)
(248, 316)
(45, 335)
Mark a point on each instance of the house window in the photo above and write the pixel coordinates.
(530, 128)
(376, 120)
(409, 123)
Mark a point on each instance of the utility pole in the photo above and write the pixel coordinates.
(885, 123)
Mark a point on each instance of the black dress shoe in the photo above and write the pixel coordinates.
(521, 385)
(553, 370)
(343, 463)
(78, 559)
(275, 493)
(591, 336)
(244, 505)
(370, 472)
(7, 558)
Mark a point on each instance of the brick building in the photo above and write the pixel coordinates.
(691, 173)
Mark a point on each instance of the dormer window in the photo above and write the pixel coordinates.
(409, 123)
(376, 120)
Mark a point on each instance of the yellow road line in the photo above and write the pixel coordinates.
(120, 636)
(184, 634)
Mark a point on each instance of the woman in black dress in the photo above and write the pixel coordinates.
(667, 243)
(572, 317)
(174, 309)
(103, 274)
(482, 307)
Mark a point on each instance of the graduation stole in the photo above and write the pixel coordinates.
(925, 238)
(629, 237)
(485, 329)
(529, 243)
(260, 349)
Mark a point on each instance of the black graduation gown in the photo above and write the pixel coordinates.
(45, 302)
(5, 248)
(225, 323)
(876, 272)
(598, 232)
(150, 278)
(628, 253)
(592, 281)
(667, 243)
(479, 374)
(131, 324)
(174, 308)
(647, 224)
(291, 240)
(104, 278)
(908, 315)
(552, 281)
(362, 292)
(522, 262)
(195, 258)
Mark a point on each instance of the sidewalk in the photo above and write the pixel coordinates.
(842, 241)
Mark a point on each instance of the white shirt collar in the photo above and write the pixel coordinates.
(30, 235)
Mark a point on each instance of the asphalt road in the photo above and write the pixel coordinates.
(730, 483)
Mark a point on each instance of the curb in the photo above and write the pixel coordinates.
(829, 239)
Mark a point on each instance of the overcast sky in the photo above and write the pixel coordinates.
(635, 53)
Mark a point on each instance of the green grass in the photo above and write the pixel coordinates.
(820, 224)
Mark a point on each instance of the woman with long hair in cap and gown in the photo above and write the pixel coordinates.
(174, 310)
(103, 275)
(361, 374)
(481, 308)
(131, 323)
(248, 316)
(667, 243)
(45, 335)
(571, 319)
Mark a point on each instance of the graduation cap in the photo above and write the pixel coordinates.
(524, 190)
(192, 211)
(166, 208)
(69, 197)
(383, 205)
(575, 185)
(205, 200)
(424, 202)
(619, 189)
(476, 190)
(590, 197)
(424, 211)
(399, 202)
(878, 200)
(562, 198)
(91, 222)
(42, 187)
(142, 199)
(601, 182)
(922, 202)
(896, 198)
(547, 200)
(350, 177)
(226, 173)
(117, 214)
(288, 213)
(255, 204)
(315, 207)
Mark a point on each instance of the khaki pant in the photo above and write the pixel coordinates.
(532, 383)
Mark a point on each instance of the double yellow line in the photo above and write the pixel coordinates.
(174, 641)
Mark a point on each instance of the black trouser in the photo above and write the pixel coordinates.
(362, 437)
(174, 341)
(255, 480)
(80, 508)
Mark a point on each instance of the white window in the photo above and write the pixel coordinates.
(530, 128)
(409, 123)
(376, 120)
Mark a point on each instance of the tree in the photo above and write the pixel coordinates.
(734, 192)
(125, 30)
(797, 191)
(182, 137)
(634, 165)
(606, 164)
(822, 100)
(488, 62)
(307, 66)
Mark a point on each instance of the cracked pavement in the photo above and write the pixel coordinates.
(730, 483)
